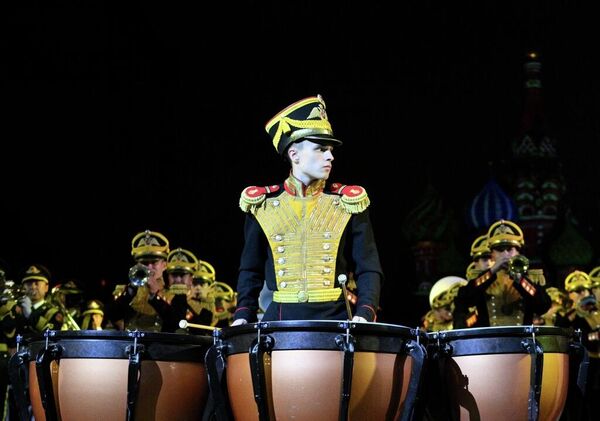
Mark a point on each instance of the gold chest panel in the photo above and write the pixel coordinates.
(304, 235)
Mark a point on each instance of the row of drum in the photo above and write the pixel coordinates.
(297, 370)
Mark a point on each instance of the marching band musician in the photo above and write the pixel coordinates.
(595, 282)
(131, 309)
(304, 235)
(441, 301)
(93, 316)
(8, 330)
(38, 313)
(175, 303)
(508, 293)
(585, 317)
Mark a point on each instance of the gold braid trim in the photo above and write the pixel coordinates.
(285, 127)
(355, 204)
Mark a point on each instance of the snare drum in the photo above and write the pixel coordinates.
(316, 370)
(498, 373)
(110, 375)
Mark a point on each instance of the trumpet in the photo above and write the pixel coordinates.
(11, 292)
(517, 266)
(139, 275)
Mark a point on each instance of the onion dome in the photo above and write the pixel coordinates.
(570, 248)
(490, 205)
(429, 220)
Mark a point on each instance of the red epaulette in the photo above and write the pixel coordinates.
(354, 198)
(253, 196)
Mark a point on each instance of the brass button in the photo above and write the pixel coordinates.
(282, 284)
(326, 270)
(326, 283)
(281, 272)
(281, 260)
(280, 249)
(278, 237)
(326, 246)
(302, 296)
(327, 234)
(275, 203)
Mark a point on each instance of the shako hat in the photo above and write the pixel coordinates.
(304, 119)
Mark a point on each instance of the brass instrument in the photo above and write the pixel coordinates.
(139, 275)
(11, 292)
(517, 266)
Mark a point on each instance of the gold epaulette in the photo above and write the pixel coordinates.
(253, 197)
(536, 276)
(354, 198)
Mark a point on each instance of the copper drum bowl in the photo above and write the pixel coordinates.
(318, 370)
(498, 373)
(109, 375)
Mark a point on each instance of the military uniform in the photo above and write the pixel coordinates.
(441, 298)
(496, 298)
(300, 238)
(300, 244)
(131, 303)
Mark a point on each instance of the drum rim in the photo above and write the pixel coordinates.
(500, 331)
(118, 335)
(317, 325)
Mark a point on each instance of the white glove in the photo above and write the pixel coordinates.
(239, 322)
(26, 305)
(359, 319)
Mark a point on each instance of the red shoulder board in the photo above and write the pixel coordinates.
(354, 198)
(256, 191)
(255, 195)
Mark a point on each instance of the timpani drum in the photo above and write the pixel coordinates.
(498, 373)
(316, 370)
(110, 375)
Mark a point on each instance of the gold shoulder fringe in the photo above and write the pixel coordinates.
(250, 204)
(355, 204)
(536, 276)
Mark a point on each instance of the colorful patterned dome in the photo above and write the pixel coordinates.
(490, 205)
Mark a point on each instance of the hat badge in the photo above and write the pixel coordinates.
(33, 270)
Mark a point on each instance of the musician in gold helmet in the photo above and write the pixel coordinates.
(508, 293)
(441, 301)
(304, 236)
(481, 255)
(176, 303)
(585, 317)
(93, 315)
(131, 309)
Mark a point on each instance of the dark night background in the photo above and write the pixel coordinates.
(125, 116)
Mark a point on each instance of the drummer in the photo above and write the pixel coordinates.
(304, 235)
(503, 295)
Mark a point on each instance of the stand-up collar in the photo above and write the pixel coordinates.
(295, 187)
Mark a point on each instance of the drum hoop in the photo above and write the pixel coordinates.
(320, 335)
(117, 345)
(499, 340)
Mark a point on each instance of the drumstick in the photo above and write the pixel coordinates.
(184, 323)
(342, 280)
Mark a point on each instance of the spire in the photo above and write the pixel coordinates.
(532, 140)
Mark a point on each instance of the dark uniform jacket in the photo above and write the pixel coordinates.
(471, 302)
(316, 233)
